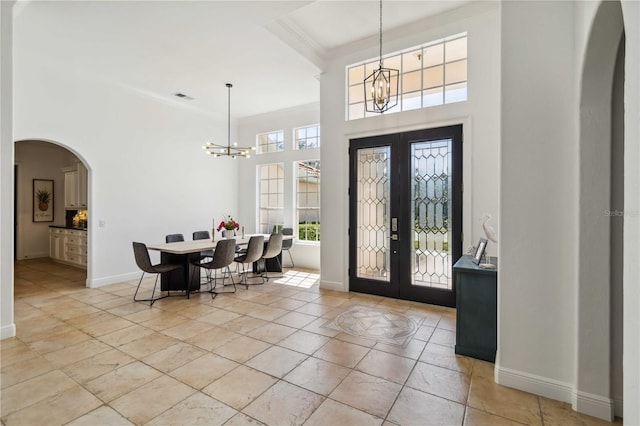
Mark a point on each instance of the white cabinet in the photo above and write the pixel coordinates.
(82, 186)
(76, 247)
(68, 246)
(57, 240)
(75, 187)
(71, 189)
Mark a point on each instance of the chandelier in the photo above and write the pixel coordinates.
(228, 150)
(377, 86)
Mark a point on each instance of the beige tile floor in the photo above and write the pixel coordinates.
(260, 356)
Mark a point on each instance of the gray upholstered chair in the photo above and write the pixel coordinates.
(203, 235)
(272, 251)
(174, 238)
(287, 244)
(253, 253)
(141, 254)
(228, 233)
(222, 257)
(205, 254)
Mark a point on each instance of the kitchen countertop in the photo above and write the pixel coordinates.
(77, 228)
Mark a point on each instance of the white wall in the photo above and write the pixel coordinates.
(631, 286)
(540, 291)
(306, 255)
(7, 326)
(596, 77)
(536, 319)
(148, 175)
(617, 232)
(38, 160)
(479, 116)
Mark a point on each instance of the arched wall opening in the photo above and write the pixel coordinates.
(599, 299)
(44, 159)
(616, 213)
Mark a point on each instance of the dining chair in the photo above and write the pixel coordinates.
(223, 256)
(141, 254)
(205, 254)
(253, 253)
(228, 233)
(272, 251)
(174, 238)
(203, 235)
(288, 243)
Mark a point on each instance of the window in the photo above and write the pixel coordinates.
(432, 74)
(271, 196)
(307, 137)
(308, 200)
(270, 142)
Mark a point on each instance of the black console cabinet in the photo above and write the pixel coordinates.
(476, 309)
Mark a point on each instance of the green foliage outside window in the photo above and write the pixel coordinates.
(309, 231)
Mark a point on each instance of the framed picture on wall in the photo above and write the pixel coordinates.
(43, 200)
(482, 245)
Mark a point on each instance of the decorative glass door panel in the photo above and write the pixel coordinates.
(430, 214)
(405, 214)
(372, 229)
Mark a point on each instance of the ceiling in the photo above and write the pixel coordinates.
(158, 48)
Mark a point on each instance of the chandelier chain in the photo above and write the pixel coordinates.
(380, 33)
(219, 150)
(229, 86)
(378, 93)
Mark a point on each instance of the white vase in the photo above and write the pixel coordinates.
(229, 233)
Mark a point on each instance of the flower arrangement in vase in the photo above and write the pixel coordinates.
(228, 225)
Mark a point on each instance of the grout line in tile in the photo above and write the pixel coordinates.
(56, 290)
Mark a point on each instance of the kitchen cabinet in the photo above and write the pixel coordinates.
(68, 246)
(75, 187)
(57, 240)
(82, 186)
(70, 188)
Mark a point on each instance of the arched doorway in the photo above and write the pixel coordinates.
(600, 237)
(65, 174)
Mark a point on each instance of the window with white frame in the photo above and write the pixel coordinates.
(270, 142)
(307, 137)
(431, 74)
(308, 200)
(271, 196)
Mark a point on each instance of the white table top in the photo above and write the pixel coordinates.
(186, 247)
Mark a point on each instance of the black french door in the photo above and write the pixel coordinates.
(405, 214)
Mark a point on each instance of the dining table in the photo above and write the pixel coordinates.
(181, 252)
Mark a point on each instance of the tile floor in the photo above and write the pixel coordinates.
(260, 356)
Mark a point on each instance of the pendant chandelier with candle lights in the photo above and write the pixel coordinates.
(379, 92)
(228, 150)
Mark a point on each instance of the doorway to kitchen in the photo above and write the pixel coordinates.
(59, 232)
(405, 214)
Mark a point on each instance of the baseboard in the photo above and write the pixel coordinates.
(331, 285)
(582, 402)
(114, 279)
(532, 383)
(7, 331)
(35, 255)
(593, 405)
(618, 407)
